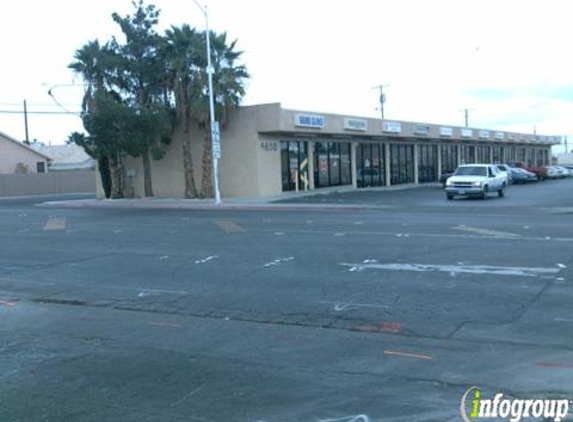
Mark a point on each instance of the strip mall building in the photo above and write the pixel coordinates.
(267, 150)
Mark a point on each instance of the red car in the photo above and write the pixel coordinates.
(540, 172)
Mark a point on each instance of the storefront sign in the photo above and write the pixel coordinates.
(309, 120)
(467, 133)
(484, 134)
(421, 130)
(499, 135)
(447, 131)
(394, 127)
(355, 124)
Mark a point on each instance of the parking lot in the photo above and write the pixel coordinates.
(381, 305)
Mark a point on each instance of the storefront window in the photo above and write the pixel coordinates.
(332, 164)
(468, 154)
(370, 165)
(449, 155)
(401, 164)
(428, 163)
(294, 165)
(483, 154)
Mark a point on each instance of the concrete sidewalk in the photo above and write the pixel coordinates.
(275, 203)
(203, 205)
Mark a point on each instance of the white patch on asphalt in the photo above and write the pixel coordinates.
(279, 233)
(278, 261)
(154, 292)
(563, 319)
(485, 232)
(359, 223)
(204, 260)
(349, 306)
(457, 269)
(164, 257)
(354, 418)
(339, 234)
(117, 231)
(562, 266)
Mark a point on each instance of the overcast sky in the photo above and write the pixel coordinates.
(508, 61)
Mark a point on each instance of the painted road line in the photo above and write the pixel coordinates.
(349, 306)
(563, 319)
(229, 226)
(407, 355)
(174, 292)
(430, 235)
(204, 260)
(56, 223)
(455, 269)
(165, 324)
(486, 232)
(3, 303)
(278, 261)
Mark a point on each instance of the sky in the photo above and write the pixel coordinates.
(507, 61)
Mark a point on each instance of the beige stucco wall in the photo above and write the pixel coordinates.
(47, 183)
(12, 153)
(251, 157)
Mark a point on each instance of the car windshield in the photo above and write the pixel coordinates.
(471, 171)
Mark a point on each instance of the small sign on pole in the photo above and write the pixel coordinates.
(216, 139)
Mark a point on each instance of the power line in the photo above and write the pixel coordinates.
(75, 113)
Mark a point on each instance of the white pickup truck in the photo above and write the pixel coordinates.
(476, 180)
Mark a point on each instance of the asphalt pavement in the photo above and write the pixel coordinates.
(351, 307)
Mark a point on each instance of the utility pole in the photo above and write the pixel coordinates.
(382, 98)
(27, 141)
(466, 116)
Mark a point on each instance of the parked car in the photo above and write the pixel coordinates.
(519, 175)
(540, 172)
(476, 180)
(563, 171)
(444, 178)
(554, 173)
(504, 168)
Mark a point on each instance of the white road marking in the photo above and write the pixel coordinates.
(562, 266)
(278, 261)
(148, 292)
(279, 233)
(470, 269)
(485, 232)
(339, 234)
(164, 257)
(353, 418)
(348, 306)
(563, 319)
(209, 258)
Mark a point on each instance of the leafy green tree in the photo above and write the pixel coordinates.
(95, 64)
(142, 77)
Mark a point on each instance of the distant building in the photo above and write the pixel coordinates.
(565, 158)
(66, 157)
(17, 157)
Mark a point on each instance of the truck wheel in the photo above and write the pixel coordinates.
(484, 193)
(501, 192)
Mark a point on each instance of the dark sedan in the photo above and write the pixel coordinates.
(520, 175)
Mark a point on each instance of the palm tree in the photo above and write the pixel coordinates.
(182, 54)
(93, 64)
(229, 79)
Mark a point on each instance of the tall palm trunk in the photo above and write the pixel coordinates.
(190, 187)
(147, 181)
(116, 176)
(207, 165)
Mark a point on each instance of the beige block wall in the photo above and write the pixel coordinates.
(11, 154)
(47, 183)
